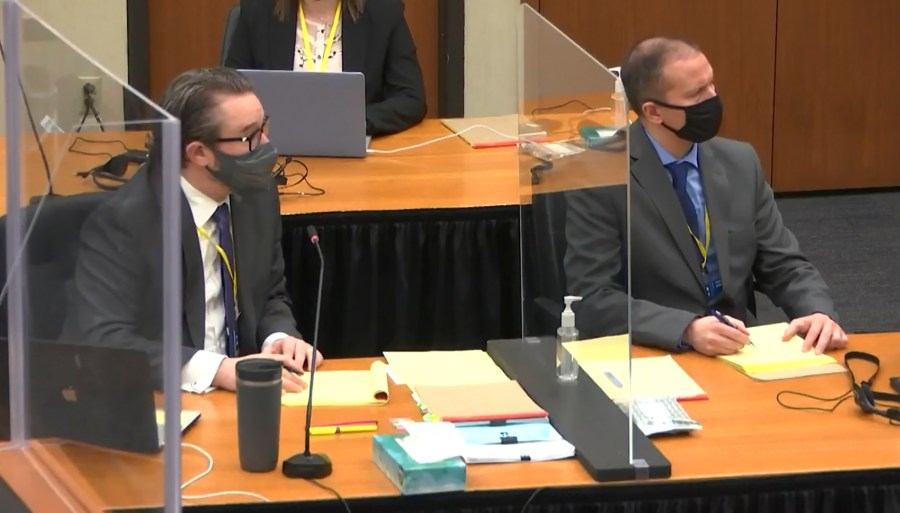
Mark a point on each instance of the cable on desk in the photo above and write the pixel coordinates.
(530, 499)
(332, 491)
(445, 137)
(836, 400)
(205, 473)
(566, 104)
(283, 179)
(99, 153)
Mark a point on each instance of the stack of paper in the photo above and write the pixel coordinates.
(503, 400)
(770, 358)
(508, 453)
(606, 361)
(443, 368)
(344, 388)
(436, 441)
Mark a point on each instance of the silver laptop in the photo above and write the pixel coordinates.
(314, 114)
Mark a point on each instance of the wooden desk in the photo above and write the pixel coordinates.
(745, 434)
(446, 174)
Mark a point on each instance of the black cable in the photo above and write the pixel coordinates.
(561, 105)
(99, 153)
(283, 179)
(530, 499)
(34, 131)
(836, 400)
(332, 491)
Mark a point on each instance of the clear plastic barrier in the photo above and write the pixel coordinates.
(93, 351)
(573, 171)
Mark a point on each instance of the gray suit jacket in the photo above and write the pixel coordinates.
(117, 295)
(755, 249)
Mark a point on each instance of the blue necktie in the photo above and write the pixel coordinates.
(679, 172)
(223, 222)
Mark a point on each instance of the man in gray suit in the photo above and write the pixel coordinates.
(704, 225)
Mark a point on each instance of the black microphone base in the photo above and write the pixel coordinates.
(306, 466)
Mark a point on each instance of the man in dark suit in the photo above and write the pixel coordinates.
(369, 36)
(704, 224)
(235, 303)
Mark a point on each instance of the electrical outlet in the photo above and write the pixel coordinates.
(94, 82)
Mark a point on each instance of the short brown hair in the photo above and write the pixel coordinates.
(282, 7)
(643, 64)
(192, 97)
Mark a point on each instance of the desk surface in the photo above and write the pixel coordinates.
(446, 174)
(745, 434)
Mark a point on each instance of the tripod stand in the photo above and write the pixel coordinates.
(90, 92)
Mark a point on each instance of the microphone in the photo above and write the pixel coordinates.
(307, 465)
(34, 132)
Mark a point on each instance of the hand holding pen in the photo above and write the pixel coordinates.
(724, 320)
(716, 334)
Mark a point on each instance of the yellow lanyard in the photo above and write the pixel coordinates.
(306, 45)
(224, 258)
(704, 248)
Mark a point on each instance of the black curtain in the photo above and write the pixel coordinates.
(828, 493)
(407, 280)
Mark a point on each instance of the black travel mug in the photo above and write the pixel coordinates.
(258, 413)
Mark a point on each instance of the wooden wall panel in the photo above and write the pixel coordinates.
(185, 34)
(422, 17)
(836, 95)
(738, 37)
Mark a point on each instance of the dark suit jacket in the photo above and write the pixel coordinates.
(667, 287)
(378, 44)
(118, 278)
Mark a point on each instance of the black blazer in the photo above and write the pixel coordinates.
(117, 298)
(378, 44)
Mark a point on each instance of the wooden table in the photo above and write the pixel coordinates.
(745, 434)
(443, 175)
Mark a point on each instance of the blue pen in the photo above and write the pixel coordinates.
(718, 315)
(612, 377)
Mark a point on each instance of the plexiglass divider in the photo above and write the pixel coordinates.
(574, 184)
(92, 291)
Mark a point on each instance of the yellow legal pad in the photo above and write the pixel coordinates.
(344, 388)
(770, 358)
(606, 361)
(443, 368)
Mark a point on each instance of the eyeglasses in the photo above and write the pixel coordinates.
(253, 139)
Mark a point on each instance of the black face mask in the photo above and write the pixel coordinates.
(701, 120)
(247, 173)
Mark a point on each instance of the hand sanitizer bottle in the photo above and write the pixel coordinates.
(566, 367)
(620, 109)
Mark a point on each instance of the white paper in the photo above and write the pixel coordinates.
(430, 442)
(507, 453)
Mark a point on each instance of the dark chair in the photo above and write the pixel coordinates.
(51, 252)
(544, 245)
(230, 24)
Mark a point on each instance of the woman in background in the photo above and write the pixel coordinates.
(368, 36)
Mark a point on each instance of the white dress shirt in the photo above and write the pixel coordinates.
(198, 373)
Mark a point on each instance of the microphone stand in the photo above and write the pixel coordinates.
(306, 465)
(89, 92)
(37, 138)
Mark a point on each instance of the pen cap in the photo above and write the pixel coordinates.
(568, 316)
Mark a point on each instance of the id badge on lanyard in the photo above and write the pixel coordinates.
(714, 288)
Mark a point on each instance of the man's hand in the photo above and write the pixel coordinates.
(818, 331)
(226, 377)
(298, 353)
(709, 336)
